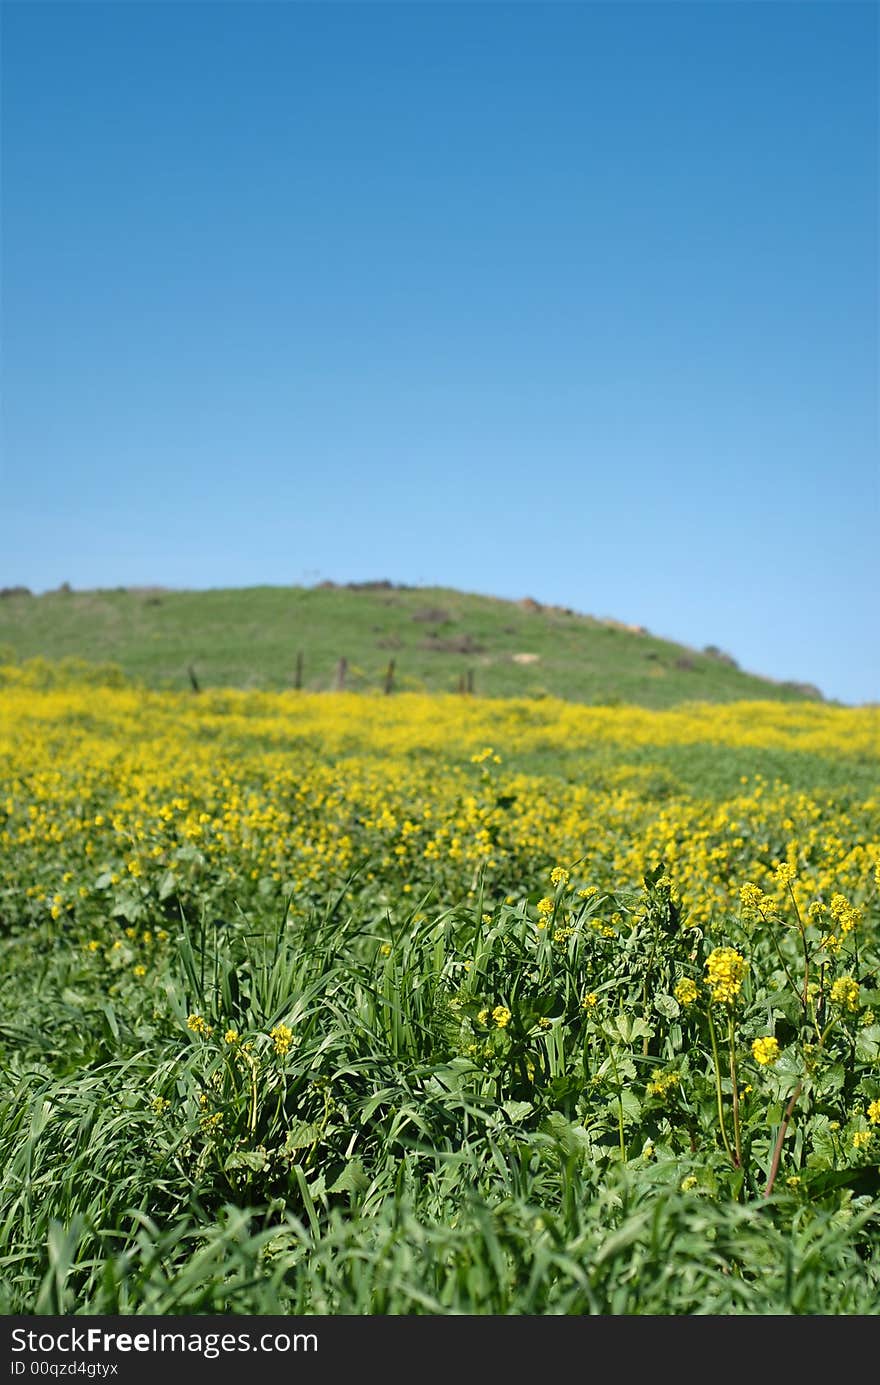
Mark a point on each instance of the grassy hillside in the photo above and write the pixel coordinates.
(439, 641)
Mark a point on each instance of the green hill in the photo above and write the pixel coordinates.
(419, 638)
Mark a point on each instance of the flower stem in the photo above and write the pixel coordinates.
(718, 1093)
(733, 1081)
(777, 1148)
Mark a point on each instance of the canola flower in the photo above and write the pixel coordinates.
(765, 1050)
(663, 1082)
(282, 1038)
(845, 992)
(725, 971)
(686, 991)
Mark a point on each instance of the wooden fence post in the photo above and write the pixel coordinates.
(340, 675)
(298, 676)
(389, 676)
(192, 678)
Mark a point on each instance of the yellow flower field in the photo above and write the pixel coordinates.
(119, 801)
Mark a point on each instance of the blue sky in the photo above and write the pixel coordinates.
(570, 301)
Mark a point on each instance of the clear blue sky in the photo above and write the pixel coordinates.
(570, 301)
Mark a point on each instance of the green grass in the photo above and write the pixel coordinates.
(374, 1169)
(252, 637)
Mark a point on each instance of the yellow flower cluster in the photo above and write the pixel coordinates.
(663, 1082)
(845, 992)
(751, 897)
(686, 991)
(725, 971)
(765, 1051)
(282, 1037)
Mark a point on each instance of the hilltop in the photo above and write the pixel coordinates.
(432, 639)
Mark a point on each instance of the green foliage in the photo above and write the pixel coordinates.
(465, 1113)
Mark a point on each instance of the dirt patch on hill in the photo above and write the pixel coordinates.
(457, 644)
(433, 615)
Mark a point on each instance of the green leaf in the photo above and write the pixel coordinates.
(832, 1078)
(667, 1006)
(573, 1139)
(352, 1179)
(300, 1135)
(168, 884)
(868, 1043)
(126, 906)
(255, 1159)
(632, 1106)
(517, 1111)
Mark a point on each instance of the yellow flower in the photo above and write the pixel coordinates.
(765, 1051)
(198, 1025)
(874, 1112)
(751, 896)
(559, 876)
(282, 1038)
(861, 1138)
(589, 1001)
(686, 991)
(140, 970)
(483, 1017)
(501, 1016)
(845, 916)
(845, 993)
(231, 1036)
(725, 971)
(662, 1082)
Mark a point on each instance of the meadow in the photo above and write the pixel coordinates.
(337, 1003)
